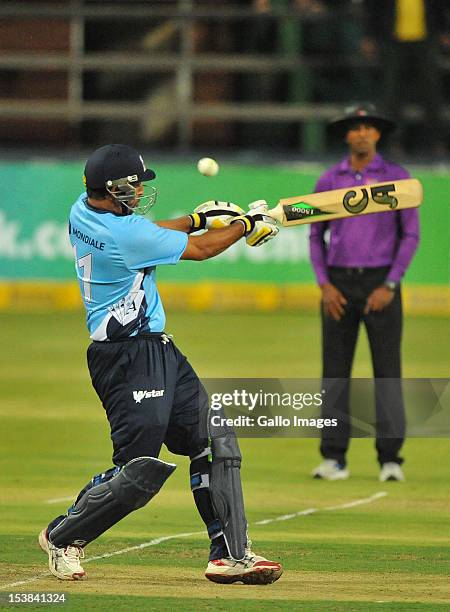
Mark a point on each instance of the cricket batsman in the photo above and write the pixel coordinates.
(150, 392)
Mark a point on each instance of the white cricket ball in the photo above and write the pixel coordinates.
(207, 166)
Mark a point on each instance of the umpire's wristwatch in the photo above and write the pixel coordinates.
(391, 285)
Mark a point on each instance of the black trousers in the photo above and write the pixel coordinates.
(151, 396)
(384, 331)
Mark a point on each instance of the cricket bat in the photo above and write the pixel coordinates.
(349, 202)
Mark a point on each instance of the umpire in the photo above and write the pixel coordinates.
(359, 266)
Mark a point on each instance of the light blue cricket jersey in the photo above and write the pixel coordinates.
(115, 260)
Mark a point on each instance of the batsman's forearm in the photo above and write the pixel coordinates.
(213, 242)
(182, 224)
(216, 241)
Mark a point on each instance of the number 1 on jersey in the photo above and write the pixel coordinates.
(85, 263)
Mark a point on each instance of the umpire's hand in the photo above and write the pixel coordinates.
(378, 299)
(333, 301)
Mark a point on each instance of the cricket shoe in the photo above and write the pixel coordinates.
(330, 469)
(252, 569)
(64, 563)
(391, 471)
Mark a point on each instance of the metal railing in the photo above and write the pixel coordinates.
(182, 66)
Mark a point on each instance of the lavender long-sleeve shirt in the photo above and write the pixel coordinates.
(368, 241)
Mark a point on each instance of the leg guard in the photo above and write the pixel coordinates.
(96, 480)
(200, 472)
(102, 506)
(226, 492)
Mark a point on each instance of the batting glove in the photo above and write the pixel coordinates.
(214, 215)
(259, 227)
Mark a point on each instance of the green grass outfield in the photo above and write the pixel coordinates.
(390, 554)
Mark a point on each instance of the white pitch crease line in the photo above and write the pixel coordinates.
(156, 541)
(144, 545)
(358, 502)
(14, 584)
(286, 517)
